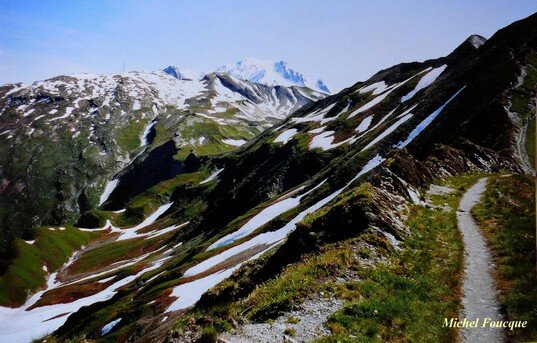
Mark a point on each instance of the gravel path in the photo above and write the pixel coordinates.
(312, 315)
(521, 148)
(479, 292)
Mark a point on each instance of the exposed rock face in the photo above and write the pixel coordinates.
(146, 171)
(192, 163)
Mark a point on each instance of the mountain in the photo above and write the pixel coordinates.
(63, 138)
(182, 74)
(271, 73)
(339, 220)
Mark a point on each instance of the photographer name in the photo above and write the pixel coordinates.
(483, 323)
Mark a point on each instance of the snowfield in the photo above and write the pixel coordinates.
(234, 142)
(421, 126)
(425, 81)
(285, 136)
(212, 176)
(386, 132)
(110, 186)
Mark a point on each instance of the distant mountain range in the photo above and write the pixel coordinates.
(266, 72)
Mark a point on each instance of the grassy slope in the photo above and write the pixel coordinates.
(197, 127)
(147, 202)
(128, 138)
(25, 274)
(400, 301)
(297, 282)
(408, 299)
(507, 218)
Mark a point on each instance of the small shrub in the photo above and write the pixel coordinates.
(293, 320)
(208, 335)
(290, 332)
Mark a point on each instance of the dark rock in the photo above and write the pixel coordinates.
(146, 171)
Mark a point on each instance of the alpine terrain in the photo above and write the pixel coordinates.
(249, 205)
(271, 73)
(63, 139)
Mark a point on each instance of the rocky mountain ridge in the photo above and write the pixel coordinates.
(63, 138)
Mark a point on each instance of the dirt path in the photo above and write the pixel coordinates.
(522, 127)
(521, 148)
(479, 291)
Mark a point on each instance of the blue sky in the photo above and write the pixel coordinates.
(341, 42)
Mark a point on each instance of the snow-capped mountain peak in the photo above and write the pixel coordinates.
(271, 73)
(320, 85)
(476, 40)
(182, 74)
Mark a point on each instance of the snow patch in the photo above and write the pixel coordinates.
(260, 219)
(109, 326)
(105, 280)
(145, 133)
(381, 97)
(285, 136)
(364, 124)
(212, 177)
(234, 142)
(421, 126)
(425, 81)
(110, 186)
(131, 232)
(377, 88)
(387, 131)
(317, 130)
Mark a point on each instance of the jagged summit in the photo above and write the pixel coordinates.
(266, 72)
(476, 40)
(271, 73)
(182, 74)
(468, 47)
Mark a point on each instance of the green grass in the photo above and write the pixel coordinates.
(407, 299)
(147, 202)
(128, 138)
(25, 273)
(196, 127)
(506, 215)
(113, 252)
(296, 283)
